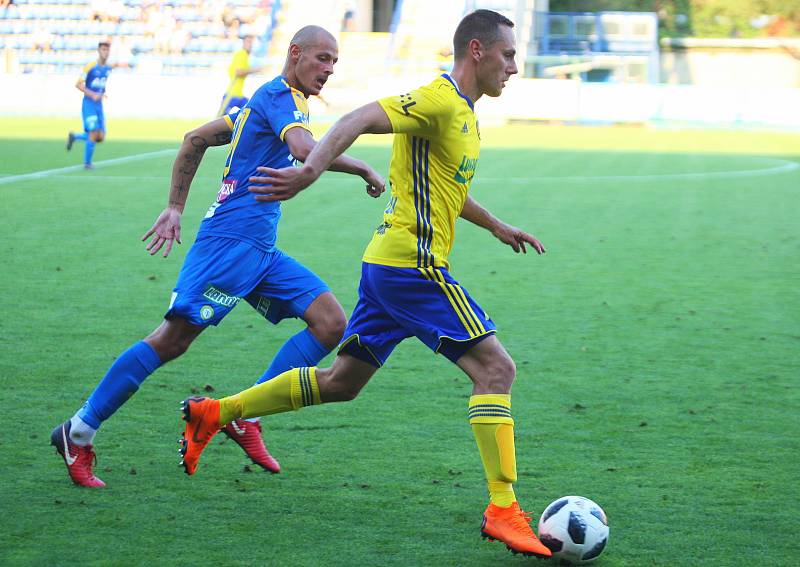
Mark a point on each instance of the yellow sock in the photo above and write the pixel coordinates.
(291, 390)
(490, 418)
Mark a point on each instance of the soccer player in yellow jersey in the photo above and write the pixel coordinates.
(238, 71)
(406, 289)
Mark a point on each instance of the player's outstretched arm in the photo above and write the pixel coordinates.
(301, 143)
(167, 228)
(282, 184)
(504, 232)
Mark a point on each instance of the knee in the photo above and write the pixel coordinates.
(330, 329)
(177, 347)
(168, 347)
(499, 374)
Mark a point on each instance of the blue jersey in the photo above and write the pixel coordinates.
(257, 140)
(95, 76)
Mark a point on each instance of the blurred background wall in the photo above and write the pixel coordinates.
(704, 62)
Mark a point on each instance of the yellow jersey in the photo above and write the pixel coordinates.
(434, 156)
(241, 60)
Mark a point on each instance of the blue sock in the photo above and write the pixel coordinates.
(120, 383)
(303, 349)
(88, 151)
(83, 136)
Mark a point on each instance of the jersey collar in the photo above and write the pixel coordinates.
(455, 85)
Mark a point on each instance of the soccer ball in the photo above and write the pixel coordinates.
(574, 528)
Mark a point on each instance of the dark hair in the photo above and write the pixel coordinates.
(102, 43)
(482, 25)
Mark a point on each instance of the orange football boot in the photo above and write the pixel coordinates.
(202, 423)
(512, 526)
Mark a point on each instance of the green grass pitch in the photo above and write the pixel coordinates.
(656, 342)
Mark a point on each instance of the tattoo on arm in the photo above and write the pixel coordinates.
(192, 159)
(223, 138)
(199, 143)
(189, 160)
(180, 188)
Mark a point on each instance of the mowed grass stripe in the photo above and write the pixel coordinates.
(72, 168)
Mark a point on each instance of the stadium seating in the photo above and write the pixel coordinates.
(193, 37)
(172, 37)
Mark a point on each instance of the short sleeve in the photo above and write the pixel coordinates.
(288, 109)
(231, 117)
(85, 72)
(418, 112)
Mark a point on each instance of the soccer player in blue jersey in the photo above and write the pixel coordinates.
(92, 83)
(406, 288)
(235, 255)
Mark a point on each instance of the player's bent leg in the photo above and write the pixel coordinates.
(173, 337)
(345, 379)
(288, 391)
(292, 390)
(326, 319)
(489, 366)
(120, 383)
(492, 371)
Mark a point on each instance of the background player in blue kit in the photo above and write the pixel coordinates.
(92, 83)
(234, 256)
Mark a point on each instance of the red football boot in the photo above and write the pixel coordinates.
(247, 434)
(79, 459)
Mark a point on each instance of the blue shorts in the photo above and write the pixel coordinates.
(218, 272)
(229, 103)
(397, 303)
(93, 118)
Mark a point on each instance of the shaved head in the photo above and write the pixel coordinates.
(309, 62)
(310, 36)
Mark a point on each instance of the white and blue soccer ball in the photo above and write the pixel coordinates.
(575, 529)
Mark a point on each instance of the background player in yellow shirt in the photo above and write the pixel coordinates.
(406, 289)
(238, 71)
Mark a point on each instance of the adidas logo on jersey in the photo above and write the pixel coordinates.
(465, 129)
